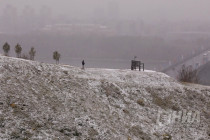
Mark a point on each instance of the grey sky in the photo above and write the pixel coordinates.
(143, 9)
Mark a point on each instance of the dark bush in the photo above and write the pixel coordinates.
(188, 74)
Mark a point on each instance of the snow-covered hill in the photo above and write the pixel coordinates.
(46, 101)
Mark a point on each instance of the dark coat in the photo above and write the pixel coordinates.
(83, 62)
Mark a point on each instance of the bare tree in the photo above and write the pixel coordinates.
(56, 56)
(32, 53)
(188, 74)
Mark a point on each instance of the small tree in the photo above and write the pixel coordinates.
(32, 53)
(18, 50)
(188, 74)
(56, 57)
(6, 48)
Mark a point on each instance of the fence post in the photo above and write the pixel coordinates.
(131, 64)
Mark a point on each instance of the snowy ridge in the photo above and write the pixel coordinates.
(47, 101)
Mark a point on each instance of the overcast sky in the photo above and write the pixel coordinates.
(144, 9)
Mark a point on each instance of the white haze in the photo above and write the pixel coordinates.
(142, 9)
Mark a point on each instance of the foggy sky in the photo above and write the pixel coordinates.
(143, 9)
(147, 21)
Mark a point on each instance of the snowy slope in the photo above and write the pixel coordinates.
(47, 101)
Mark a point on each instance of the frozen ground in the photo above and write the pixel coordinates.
(46, 101)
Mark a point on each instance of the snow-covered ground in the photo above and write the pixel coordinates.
(47, 101)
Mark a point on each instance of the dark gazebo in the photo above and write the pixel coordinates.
(137, 65)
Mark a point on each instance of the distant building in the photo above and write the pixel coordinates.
(187, 35)
(82, 29)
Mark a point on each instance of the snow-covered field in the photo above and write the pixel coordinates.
(47, 101)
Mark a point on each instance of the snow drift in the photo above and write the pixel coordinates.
(46, 101)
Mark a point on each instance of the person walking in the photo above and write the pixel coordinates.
(83, 64)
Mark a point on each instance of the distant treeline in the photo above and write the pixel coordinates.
(30, 55)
